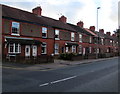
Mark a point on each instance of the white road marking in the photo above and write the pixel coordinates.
(44, 84)
(63, 79)
(53, 82)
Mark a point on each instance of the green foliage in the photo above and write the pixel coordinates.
(67, 56)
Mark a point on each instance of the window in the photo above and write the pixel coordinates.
(80, 38)
(72, 36)
(90, 49)
(44, 32)
(14, 48)
(110, 42)
(57, 34)
(80, 49)
(15, 28)
(44, 47)
(102, 41)
(56, 48)
(74, 49)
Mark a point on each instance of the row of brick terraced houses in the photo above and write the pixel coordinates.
(27, 36)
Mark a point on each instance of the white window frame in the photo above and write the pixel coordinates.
(72, 36)
(14, 45)
(45, 47)
(57, 33)
(56, 48)
(18, 28)
(80, 38)
(73, 48)
(44, 30)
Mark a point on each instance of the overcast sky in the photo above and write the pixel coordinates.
(75, 10)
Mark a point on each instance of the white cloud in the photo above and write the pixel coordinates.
(75, 10)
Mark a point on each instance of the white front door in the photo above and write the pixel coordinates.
(27, 50)
(34, 51)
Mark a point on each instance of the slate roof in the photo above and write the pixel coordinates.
(79, 29)
(19, 14)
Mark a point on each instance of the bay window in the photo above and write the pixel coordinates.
(14, 48)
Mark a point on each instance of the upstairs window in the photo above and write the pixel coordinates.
(72, 36)
(44, 32)
(90, 39)
(57, 34)
(102, 41)
(80, 38)
(15, 28)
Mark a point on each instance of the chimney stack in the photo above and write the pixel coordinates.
(63, 19)
(80, 24)
(108, 33)
(37, 11)
(101, 30)
(92, 28)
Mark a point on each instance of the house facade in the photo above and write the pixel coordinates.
(31, 36)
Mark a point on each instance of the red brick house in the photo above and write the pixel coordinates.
(31, 36)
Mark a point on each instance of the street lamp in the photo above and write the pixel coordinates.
(97, 34)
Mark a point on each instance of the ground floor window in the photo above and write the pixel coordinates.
(56, 48)
(44, 48)
(90, 49)
(74, 49)
(14, 48)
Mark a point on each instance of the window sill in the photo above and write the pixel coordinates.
(43, 53)
(16, 34)
(57, 39)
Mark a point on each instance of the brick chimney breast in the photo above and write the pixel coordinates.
(37, 11)
(63, 19)
(80, 24)
(92, 28)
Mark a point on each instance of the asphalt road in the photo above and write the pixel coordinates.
(100, 76)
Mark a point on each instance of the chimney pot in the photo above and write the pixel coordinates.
(92, 28)
(80, 24)
(101, 30)
(37, 11)
(108, 33)
(63, 19)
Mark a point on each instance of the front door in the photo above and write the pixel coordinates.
(27, 50)
(34, 53)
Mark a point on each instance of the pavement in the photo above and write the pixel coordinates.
(50, 66)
